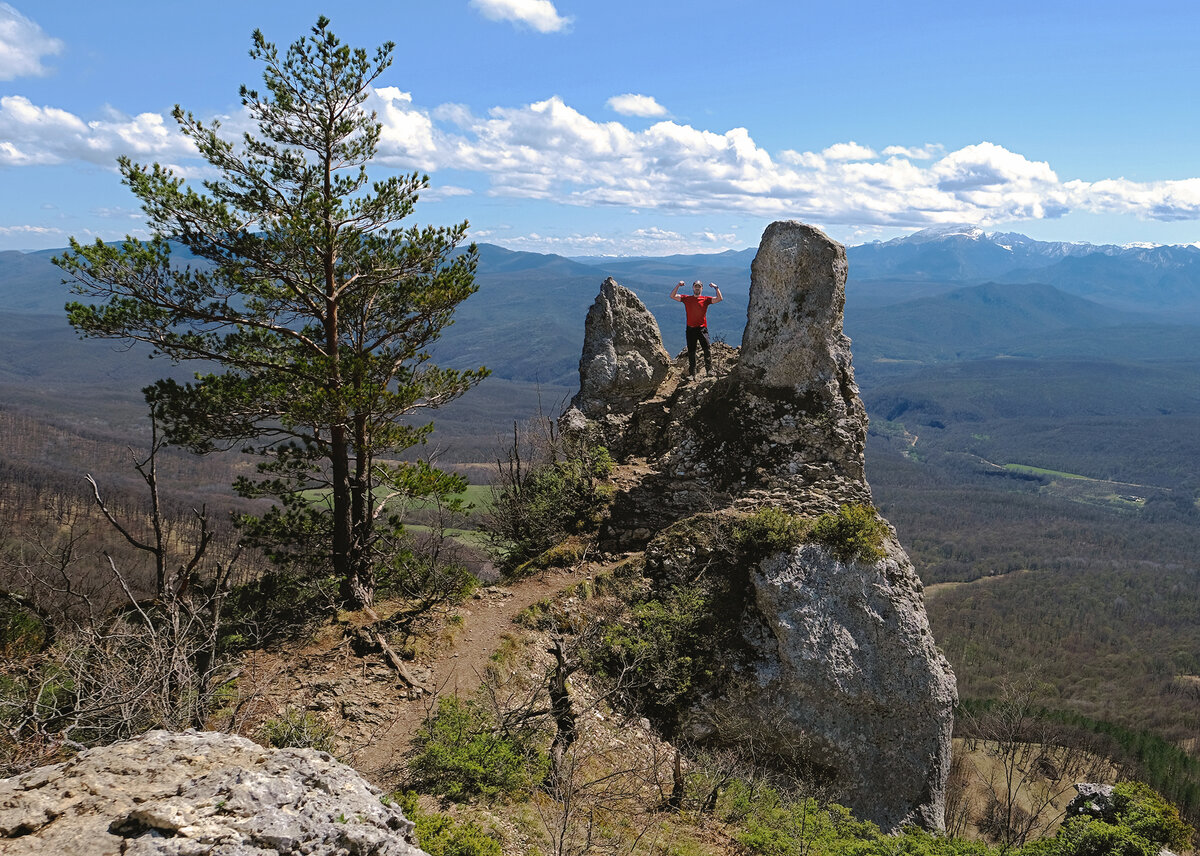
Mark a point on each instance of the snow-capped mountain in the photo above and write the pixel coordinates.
(1155, 278)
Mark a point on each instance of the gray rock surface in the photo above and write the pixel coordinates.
(1092, 799)
(623, 357)
(198, 793)
(846, 680)
(848, 667)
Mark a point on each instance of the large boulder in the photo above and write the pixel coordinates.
(199, 793)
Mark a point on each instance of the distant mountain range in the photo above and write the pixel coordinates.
(936, 295)
(1163, 280)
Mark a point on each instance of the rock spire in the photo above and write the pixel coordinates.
(835, 654)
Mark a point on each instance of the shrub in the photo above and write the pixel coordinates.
(546, 490)
(1146, 813)
(770, 530)
(664, 646)
(1138, 823)
(297, 729)
(22, 629)
(460, 753)
(441, 835)
(854, 533)
(276, 606)
(1086, 837)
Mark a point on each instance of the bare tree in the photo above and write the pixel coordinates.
(1034, 764)
(121, 663)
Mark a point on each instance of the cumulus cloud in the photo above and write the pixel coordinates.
(23, 45)
(850, 151)
(31, 135)
(548, 150)
(540, 15)
(630, 104)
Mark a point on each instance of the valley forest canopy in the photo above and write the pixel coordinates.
(315, 306)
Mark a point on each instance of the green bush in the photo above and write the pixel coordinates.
(770, 530)
(535, 506)
(664, 645)
(277, 606)
(1149, 815)
(22, 630)
(854, 533)
(298, 729)
(460, 753)
(441, 835)
(1086, 837)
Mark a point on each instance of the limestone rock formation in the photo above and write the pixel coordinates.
(198, 793)
(623, 357)
(846, 659)
(836, 656)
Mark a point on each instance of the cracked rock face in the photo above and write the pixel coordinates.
(848, 666)
(199, 793)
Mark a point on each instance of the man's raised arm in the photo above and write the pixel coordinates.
(675, 291)
(717, 289)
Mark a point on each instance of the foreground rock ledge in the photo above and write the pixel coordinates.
(198, 793)
(842, 675)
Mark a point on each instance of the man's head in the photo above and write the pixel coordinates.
(697, 287)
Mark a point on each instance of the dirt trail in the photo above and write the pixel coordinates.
(370, 709)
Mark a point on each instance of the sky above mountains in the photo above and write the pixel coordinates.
(623, 127)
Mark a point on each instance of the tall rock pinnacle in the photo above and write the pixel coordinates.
(834, 656)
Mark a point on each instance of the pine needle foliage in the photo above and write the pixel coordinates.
(311, 306)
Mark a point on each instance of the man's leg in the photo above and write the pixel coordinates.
(693, 335)
(703, 337)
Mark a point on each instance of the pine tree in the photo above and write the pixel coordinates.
(312, 306)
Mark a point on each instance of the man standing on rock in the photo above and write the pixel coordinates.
(696, 306)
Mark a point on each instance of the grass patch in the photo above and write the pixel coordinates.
(1041, 471)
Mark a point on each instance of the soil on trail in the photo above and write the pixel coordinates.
(370, 708)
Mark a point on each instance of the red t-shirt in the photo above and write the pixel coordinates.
(697, 308)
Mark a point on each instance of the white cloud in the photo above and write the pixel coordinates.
(630, 104)
(850, 151)
(929, 151)
(32, 135)
(537, 14)
(436, 192)
(23, 45)
(29, 230)
(548, 150)
(648, 241)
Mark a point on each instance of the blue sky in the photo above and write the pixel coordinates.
(629, 127)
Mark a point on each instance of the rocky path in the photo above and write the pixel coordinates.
(372, 712)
